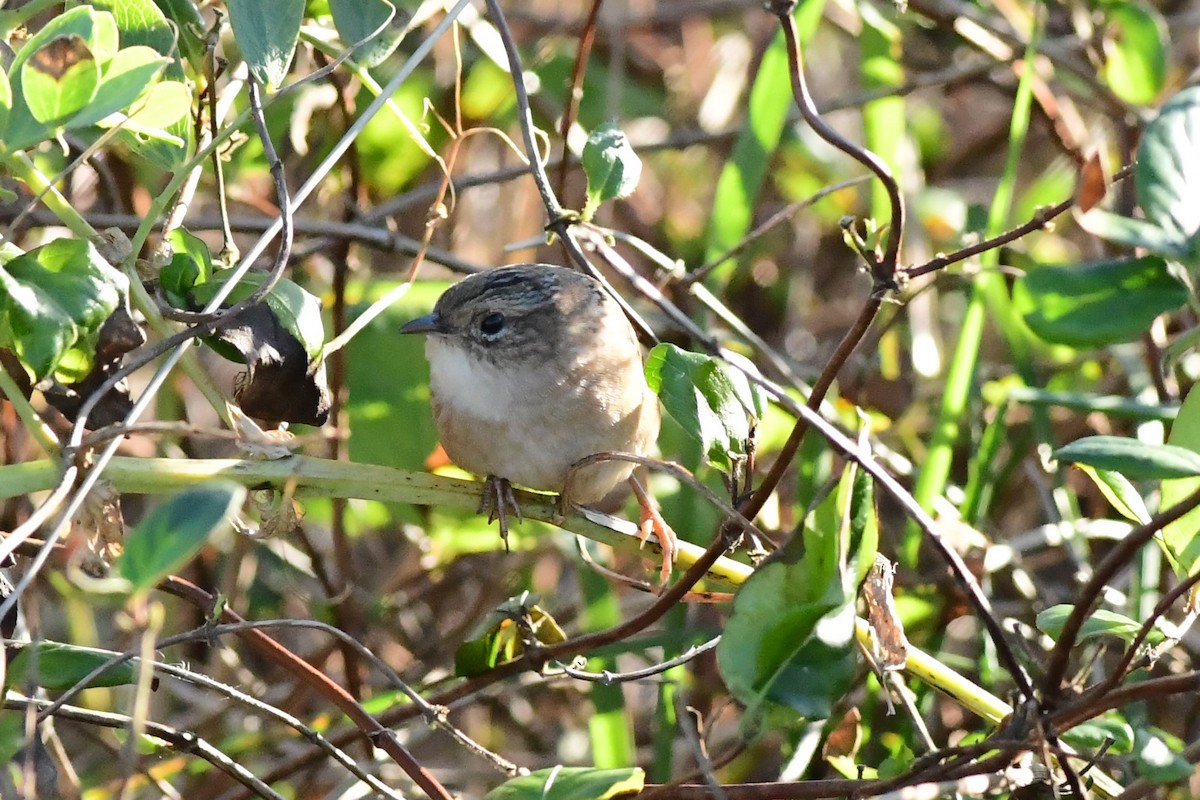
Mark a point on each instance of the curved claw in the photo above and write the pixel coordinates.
(496, 499)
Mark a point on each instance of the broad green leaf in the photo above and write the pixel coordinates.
(54, 299)
(380, 20)
(1101, 623)
(744, 173)
(141, 23)
(297, 310)
(1181, 538)
(1097, 304)
(1109, 729)
(176, 530)
(190, 265)
(1167, 172)
(1157, 761)
(267, 34)
(1118, 490)
(6, 101)
(1133, 459)
(59, 79)
(707, 399)
(125, 78)
(79, 21)
(611, 166)
(788, 649)
(60, 666)
(1132, 232)
(159, 112)
(190, 26)
(571, 783)
(1135, 51)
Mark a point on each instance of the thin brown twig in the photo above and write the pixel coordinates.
(1087, 596)
(575, 88)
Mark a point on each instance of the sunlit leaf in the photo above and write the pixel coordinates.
(1135, 50)
(1182, 537)
(571, 783)
(1096, 304)
(1101, 623)
(59, 79)
(1131, 458)
(1167, 172)
(611, 166)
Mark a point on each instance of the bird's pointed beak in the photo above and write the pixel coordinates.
(430, 323)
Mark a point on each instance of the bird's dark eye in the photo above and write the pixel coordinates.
(491, 324)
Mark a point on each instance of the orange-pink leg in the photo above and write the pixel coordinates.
(653, 523)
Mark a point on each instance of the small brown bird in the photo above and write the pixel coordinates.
(532, 368)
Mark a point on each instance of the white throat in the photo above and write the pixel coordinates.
(476, 386)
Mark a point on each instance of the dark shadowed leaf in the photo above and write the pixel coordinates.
(1157, 761)
(176, 530)
(267, 34)
(381, 20)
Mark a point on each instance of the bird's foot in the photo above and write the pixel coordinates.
(652, 522)
(497, 499)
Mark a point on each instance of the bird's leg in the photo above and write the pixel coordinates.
(653, 523)
(497, 498)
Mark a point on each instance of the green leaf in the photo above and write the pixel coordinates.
(54, 299)
(1100, 623)
(788, 648)
(190, 265)
(6, 101)
(141, 23)
(1181, 539)
(59, 79)
(611, 166)
(161, 112)
(355, 20)
(297, 310)
(1118, 490)
(1135, 51)
(176, 530)
(126, 77)
(190, 25)
(1131, 458)
(1167, 172)
(1097, 304)
(1158, 762)
(712, 403)
(571, 783)
(267, 34)
(1108, 728)
(60, 666)
(1132, 232)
